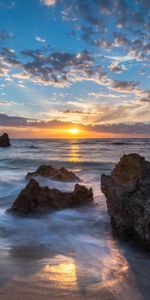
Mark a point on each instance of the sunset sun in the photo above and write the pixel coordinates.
(74, 131)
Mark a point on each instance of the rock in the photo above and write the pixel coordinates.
(4, 140)
(34, 198)
(127, 192)
(61, 174)
(32, 147)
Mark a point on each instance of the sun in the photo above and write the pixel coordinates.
(74, 131)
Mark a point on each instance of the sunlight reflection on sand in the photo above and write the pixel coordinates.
(62, 274)
(66, 278)
(114, 281)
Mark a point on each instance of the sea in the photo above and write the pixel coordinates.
(68, 254)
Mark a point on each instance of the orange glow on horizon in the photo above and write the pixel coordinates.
(63, 133)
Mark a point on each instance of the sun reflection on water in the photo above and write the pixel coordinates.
(74, 152)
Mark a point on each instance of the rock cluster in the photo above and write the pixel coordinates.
(4, 140)
(33, 198)
(61, 174)
(127, 192)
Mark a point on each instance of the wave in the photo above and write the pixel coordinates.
(17, 163)
(122, 143)
(128, 143)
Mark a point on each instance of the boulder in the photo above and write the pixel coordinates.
(4, 140)
(33, 198)
(48, 171)
(127, 192)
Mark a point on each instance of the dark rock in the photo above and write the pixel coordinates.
(4, 140)
(61, 174)
(32, 147)
(34, 198)
(127, 192)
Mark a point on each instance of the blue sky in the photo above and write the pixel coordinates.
(81, 62)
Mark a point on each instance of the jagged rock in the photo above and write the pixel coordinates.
(4, 140)
(127, 192)
(34, 198)
(61, 174)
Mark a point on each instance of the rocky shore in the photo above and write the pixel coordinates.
(33, 198)
(48, 171)
(127, 192)
(4, 140)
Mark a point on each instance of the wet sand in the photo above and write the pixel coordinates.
(63, 277)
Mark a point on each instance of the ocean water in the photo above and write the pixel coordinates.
(69, 254)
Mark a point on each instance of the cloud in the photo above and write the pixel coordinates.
(110, 114)
(124, 86)
(103, 43)
(115, 67)
(7, 103)
(8, 59)
(123, 128)
(71, 111)
(23, 76)
(40, 39)
(61, 69)
(108, 95)
(137, 128)
(145, 100)
(120, 40)
(124, 29)
(48, 2)
(58, 68)
(93, 20)
(3, 70)
(34, 54)
(13, 121)
(146, 97)
(4, 35)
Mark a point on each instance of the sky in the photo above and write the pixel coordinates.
(75, 64)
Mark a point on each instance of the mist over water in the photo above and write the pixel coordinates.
(69, 254)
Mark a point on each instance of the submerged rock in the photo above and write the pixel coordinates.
(32, 147)
(127, 192)
(34, 198)
(61, 174)
(4, 140)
